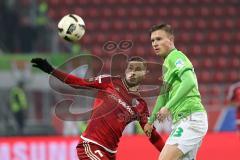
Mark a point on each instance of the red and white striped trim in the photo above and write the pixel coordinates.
(89, 152)
(107, 149)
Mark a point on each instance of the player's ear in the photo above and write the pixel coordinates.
(171, 37)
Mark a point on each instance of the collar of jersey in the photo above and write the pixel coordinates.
(126, 87)
(172, 51)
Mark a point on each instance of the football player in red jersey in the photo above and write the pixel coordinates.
(117, 103)
(233, 98)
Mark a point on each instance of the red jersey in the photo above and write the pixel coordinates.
(114, 108)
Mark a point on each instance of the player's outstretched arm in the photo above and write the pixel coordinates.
(42, 64)
(157, 140)
(154, 137)
(149, 125)
(158, 105)
(69, 79)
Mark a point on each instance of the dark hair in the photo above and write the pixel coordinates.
(162, 26)
(138, 59)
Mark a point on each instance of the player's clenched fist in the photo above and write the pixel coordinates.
(148, 129)
(162, 114)
(42, 64)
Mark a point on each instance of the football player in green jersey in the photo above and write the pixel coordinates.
(182, 100)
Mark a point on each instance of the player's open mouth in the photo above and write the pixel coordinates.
(132, 78)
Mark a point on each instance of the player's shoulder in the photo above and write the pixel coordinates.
(177, 58)
(232, 89)
(175, 54)
(235, 85)
(105, 78)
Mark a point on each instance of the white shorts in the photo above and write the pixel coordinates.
(188, 134)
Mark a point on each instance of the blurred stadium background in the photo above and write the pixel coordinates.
(206, 30)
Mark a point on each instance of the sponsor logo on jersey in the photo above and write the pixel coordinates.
(124, 104)
(179, 63)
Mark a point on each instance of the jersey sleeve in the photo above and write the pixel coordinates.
(155, 138)
(159, 103)
(187, 83)
(181, 67)
(100, 82)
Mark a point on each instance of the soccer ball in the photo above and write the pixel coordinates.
(71, 27)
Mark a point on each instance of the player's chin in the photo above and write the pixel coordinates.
(136, 82)
(158, 53)
(132, 83)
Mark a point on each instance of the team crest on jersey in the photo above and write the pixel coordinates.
(179, 63)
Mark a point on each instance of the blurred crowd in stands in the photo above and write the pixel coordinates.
(24, 28)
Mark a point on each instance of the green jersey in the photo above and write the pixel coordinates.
(180, 101)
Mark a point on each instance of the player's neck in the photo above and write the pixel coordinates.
(134, 88)
(170, 50)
